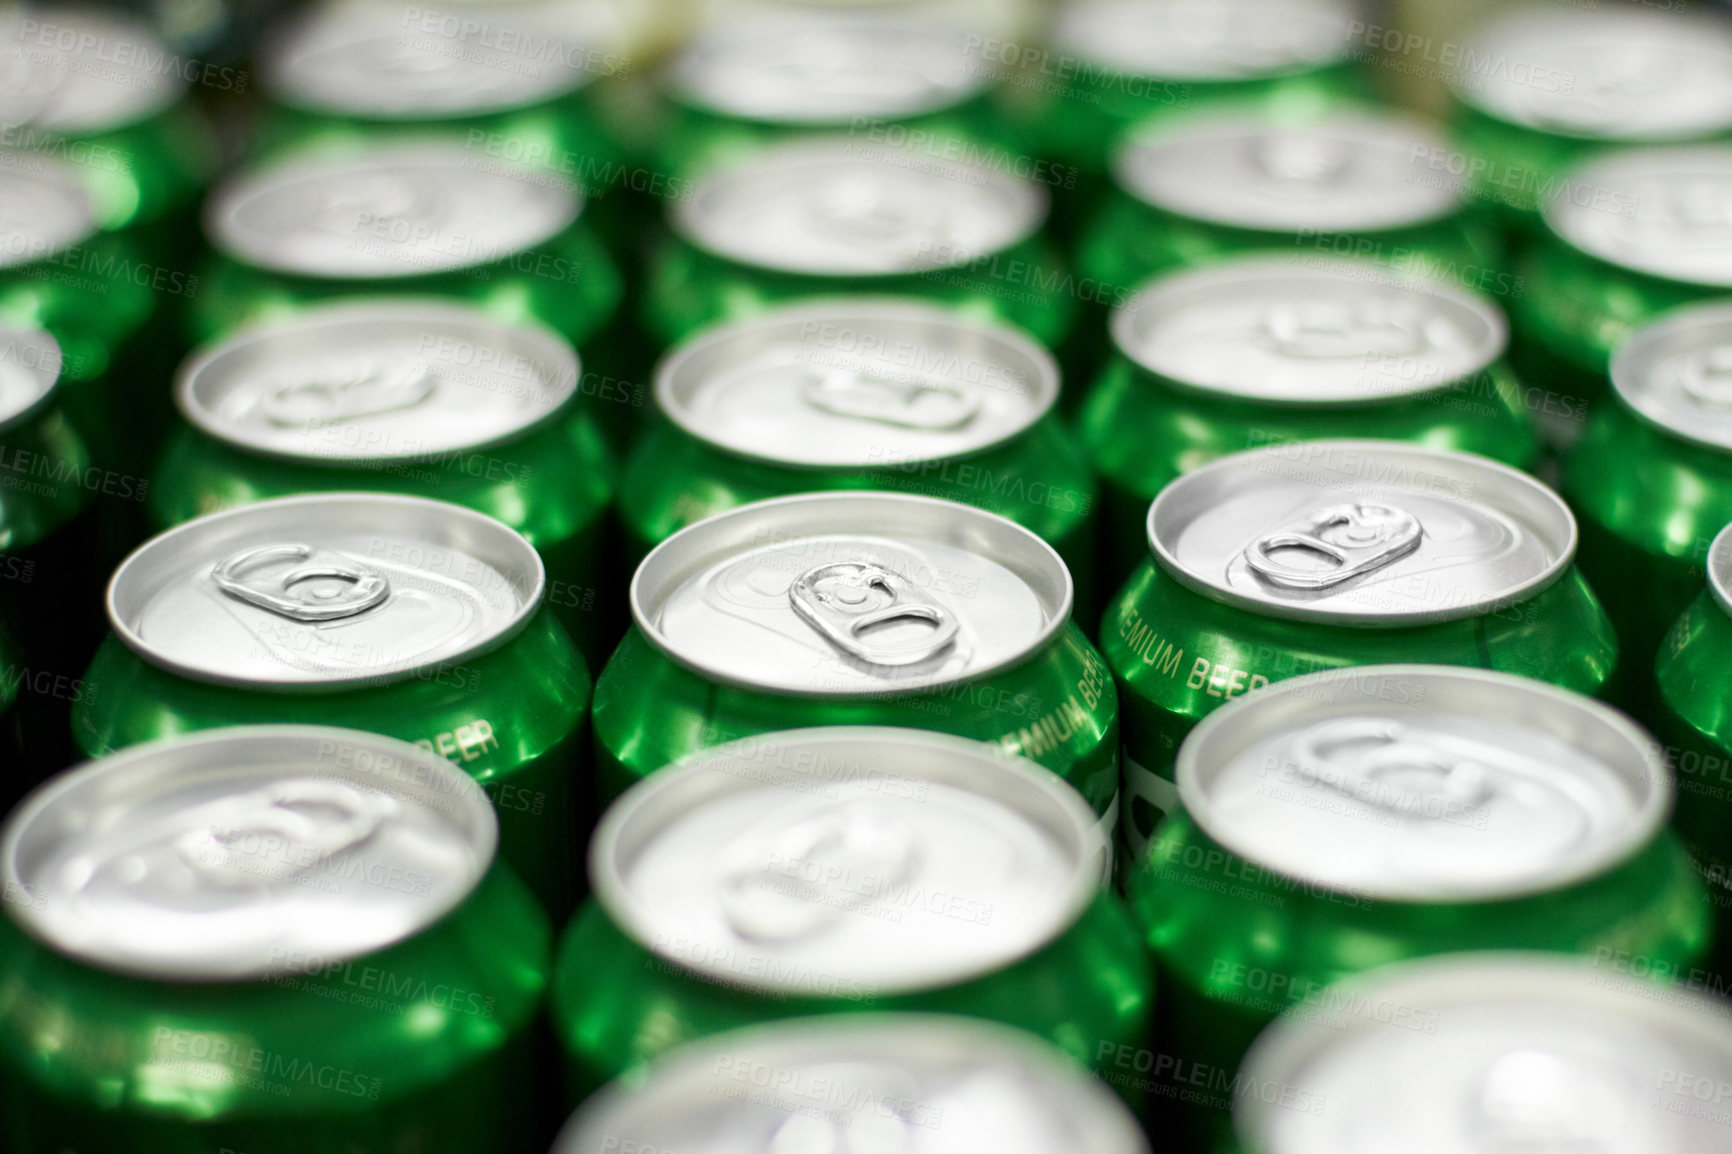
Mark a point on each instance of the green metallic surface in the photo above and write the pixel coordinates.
(512, 719)
(426, 1046)
(1694, 725)
(1057, 708)
(47, 466)
(616, 1004)
(142, 173)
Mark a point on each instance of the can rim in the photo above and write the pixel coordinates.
(1626, 377)
(1227, 724)
(698, 546)
(869, 309)
(1254, 270)
(1720, 568)
(474, 528)
(1613, 170)
(164, 755)
(972, 766)
(546, 345)
(1540, 499)
(51, 390)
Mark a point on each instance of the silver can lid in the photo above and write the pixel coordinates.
(1375, 534)
(1676, 373)
(857, 382)
(402, 62)
(1664, 212)
(1602, 74)
(1720, 568)
(1424, 783)
(828, 71)
(30, 364)
(842, 208)
(78, 71)
(241, 853)
(1348, 172)
(847, 861)
(377, 380)
(1472, 1053)
(873, 1083)
(325, 592)
(407, 209)
(1292, 330)
(43, 208)
(1207, 40)
(850, 594)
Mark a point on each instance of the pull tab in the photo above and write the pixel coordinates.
(1303, 159)
(864, 207)
(367, 392)
(1351, 540)
(378, 198)
(1375, 761)
(815, 871)
(1707, 377)
(281, 830)
(1339, 332)
(329, 585)
(934, 405)
(846, 600)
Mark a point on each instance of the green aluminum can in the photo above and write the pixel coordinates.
(1353, 818)
(1348, 184)
(1541, 89)
(1630, 235)
(269, 939)
(856, 608)
(1506, 1048)
(1651, 481)
(845, 870)
(415, 217)
(861, 393)
(831, 215)
(426, 397)
(1323, 554)
(1258, 350)
(942, 1083)
(412, 618)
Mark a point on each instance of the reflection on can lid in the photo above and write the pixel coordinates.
(246, 852)
(1293, 330)
(836, 207)
(811, 849)
(397, 210)
(1720, 568)
(325, 592)
(1676, 373)
(860, 1082)
(828, 71)
(1424, 783)
(82, 71)
(378, 380)
(30, 365)
(851, 594)
(1207, 40)
(1377, 534)
(1602, 74)
(1350, 172)
(1469, 1053)
(857, 381)
(1665, 212)
(43, 208)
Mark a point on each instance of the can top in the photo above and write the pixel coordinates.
(392, 62)
(856, 381)
(30, 364)
(1602, 74)
(1720, 568)
(414, 208)
(1665, 212)
(1469, 1053)
(1424, 783)
(827, 71)
(1347, 172)
(1374, 534)
(850, 594)
(936, 1084)
(1296, 331)
(836, 207)
(1207, 40)
(43, 208)
(244, 852)
(805, 862)
(83, 70)
(316, 593)
(1676, 374)
(377, 380)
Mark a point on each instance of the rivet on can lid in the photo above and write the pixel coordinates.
(1207, 40)
(1676, 373)
(1663, 212)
